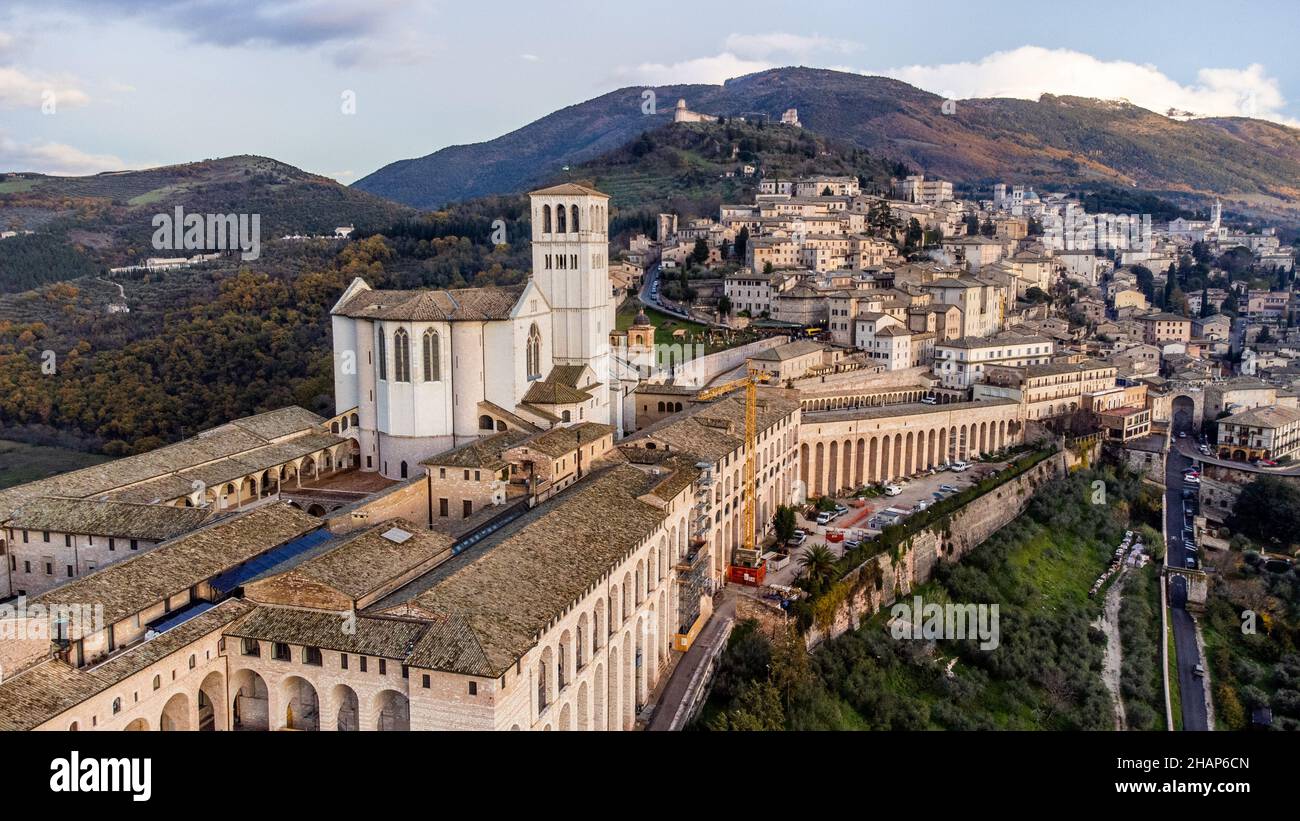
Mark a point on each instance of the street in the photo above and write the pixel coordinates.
(1191, 686)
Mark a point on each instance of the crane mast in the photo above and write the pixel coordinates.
(746, 557)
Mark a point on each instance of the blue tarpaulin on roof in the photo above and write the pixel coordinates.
(181, 616)
(254, 567)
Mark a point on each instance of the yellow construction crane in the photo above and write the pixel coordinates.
(747, 556)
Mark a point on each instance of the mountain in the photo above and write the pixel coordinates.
(1056, 141)
(691, 168)
(80, 225)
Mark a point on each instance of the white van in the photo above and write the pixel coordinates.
(892, 490)
(958, 467)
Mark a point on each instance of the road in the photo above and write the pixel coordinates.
(687, 677)
(1190, 686)
(645, 295)
(1188, 447)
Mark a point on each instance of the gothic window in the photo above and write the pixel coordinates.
(432, 356)
(401, 356)
(533, 353)
(559, 220)
(383, 356)
(574, 213)
(546, 219)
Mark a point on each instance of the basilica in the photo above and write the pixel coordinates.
(429, 370)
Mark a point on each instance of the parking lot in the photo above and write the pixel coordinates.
(865, 518)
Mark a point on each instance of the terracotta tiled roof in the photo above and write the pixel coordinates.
(131, 585)
(481, 453)
(153, 523)
(475, 304)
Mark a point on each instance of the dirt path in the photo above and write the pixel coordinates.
(1113, 660)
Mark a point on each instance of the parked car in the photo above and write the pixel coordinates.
(1182, 434)
(948, 488)
(1191, 562)
(919, 507)
(958, 467)
(1198, 671)
(929, 400)
(840, 510)
(1268, 463)
(823, 518)
(892, 490)
(1192, 479)
(797, 539)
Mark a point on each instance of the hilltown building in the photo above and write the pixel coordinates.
(413, 365)
(1260, 433)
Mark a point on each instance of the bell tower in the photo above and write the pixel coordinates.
(571, 267)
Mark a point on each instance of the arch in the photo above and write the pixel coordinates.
(381, 354)
(573, 219)
(566, 712)
(546, 219)
(394, 710)
(138, 725)
(561, 214)
(859, 455)
(212, 702)
(401, 356)
(584, 709)
(301, 706)
(432, 356)
(349, 710)
(612, 711)
(533, 352)
(250, 702)
(355, 419)
(403, 470)
(175, 713)
(817, 476)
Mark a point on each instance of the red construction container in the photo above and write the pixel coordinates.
(752, 576)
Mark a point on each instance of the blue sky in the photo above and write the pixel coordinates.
(152, 82)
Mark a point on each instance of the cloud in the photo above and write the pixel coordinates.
(53, 158)
(713, 70)
(532, 58)
(774, 44)
(1030, 71)
(21, 90)
(742, 54)
(350, 32)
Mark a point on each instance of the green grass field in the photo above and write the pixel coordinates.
(21, 462)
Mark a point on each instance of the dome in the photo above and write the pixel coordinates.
(641, 318)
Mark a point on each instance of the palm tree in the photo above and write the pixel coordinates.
(818, 562)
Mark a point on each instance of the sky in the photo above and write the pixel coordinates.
(343, 87)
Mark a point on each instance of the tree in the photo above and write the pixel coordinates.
(783, 522)
(1268, 510)
(818, 562)
(1206, 310)
(915, 236)
(724, 306)
(700, 254)
(742, 244)
(756, 708)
